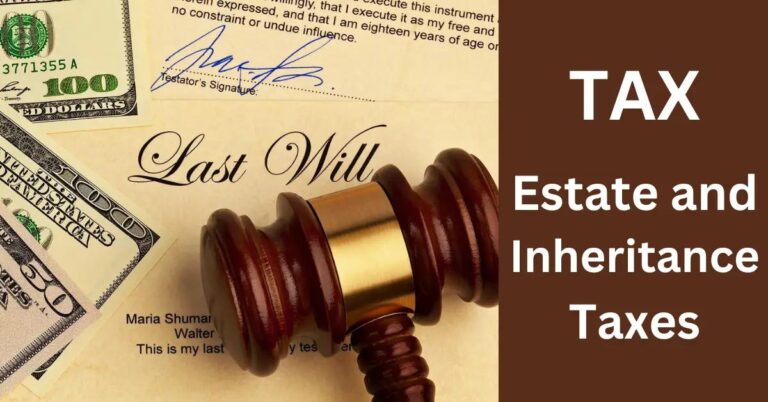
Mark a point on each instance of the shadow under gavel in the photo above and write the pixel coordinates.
(363, 262)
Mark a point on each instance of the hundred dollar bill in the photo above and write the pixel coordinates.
(41, 310)
(105, 244)
(72, 64)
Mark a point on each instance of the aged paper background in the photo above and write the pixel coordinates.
(430, 97)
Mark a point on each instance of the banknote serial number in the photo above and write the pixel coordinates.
(31, 67)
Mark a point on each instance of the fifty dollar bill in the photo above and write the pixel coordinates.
(41, 310)
(72, 64)
(104, 243)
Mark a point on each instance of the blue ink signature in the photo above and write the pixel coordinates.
(200, 53)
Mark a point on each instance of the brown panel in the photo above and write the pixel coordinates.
(543, 133)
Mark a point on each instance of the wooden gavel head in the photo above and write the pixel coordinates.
(360, 261)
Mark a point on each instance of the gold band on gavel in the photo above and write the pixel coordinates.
(369, 252)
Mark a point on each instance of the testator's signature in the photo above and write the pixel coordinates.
(201, 54)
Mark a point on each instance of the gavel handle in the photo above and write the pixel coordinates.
(390, 357)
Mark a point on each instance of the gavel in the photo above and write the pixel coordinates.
(362, 262)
